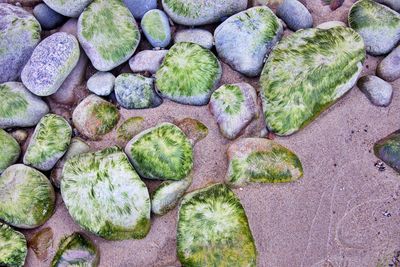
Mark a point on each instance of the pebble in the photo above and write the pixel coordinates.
(389, 68)
(139, 7)
(197, 36)
(295, 15)
(47, 17)
(377, 90)
(388, 150)
(147, 61)
(101, 83)
(156, 28)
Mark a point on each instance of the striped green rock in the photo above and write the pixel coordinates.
(105, 196)
(388, 150)
(13, 247)
(189, 74)
(10, 150)
(377, 24)
(69, 8)
(306, 73)
(27, 197)
(259, 160)
(108, 33)
(213, 230)
(163, 152)
(49, 142)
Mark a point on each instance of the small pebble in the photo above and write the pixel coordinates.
(139, 7)
(377, 90)
(295, 15)
(331, 24)
(101, 83)
(197, 36)
(47, 17)
(389, 68)
(156, 28)
(147, 60)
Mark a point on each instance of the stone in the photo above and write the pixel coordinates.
(189, 74)
(195, 130)
(41, 242)
(19, 107)
(101, 83)
(129, 128)
(259, 160)
(105, 196)
(331, 24)
(19, 35)
(244, 40)
(213, 229)
(234, 106)
(155, 26)
(163, 152)
(47, 17)
(139, 7)
(95, 117)
(377, 24)
(393, 4)
(10, 150)
(13, 247)
(28, 199)
(20, 135)
(71, 27)
(51, 63)
(68, 8)
(194, 12)
(389, 68)
(136, 92)
(76, 250)
(201, 37)
(306, 73)
(147, 60)
(388, 150)
(376, 90)
(295, 15)
(108, 33)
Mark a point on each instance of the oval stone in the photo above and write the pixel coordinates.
(155, 26)
(197, 36)
(295, 15)
(10, 150)
(47, 17)
(147, 60)
(139, 7)
(69, 8)
(389, 68)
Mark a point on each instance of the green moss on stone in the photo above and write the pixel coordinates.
(13, 247)
(129, 128)
(230, 97)
(154, 26)
(10, 150)
(108, 116)
(12, 103)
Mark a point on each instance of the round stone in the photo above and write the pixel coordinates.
(295, 15)
(101, 83)
(155, 26)
(10, 150)
(13, 247)
(376, 90)
(47, 17)
(389, 68)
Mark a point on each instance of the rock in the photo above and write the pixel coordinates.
(245, 39)
(377, 90)
(27, 197)
(139, 7)
(95, 117)
(259, 160)
(193, 12)
(129, 128)
(19, 107)
(76, 250)
(189, 74)
(377, 24)
(295, 15)
(19, 35)
(388, 150)
(195, 130)
(147, 60)
(20, 135)
(101, 83)
(71, 27)
(213, 229)
(41, 242)
(389, 68)
(163, 153)
(331, 24)
(77, 146)
(10, 150)
(201, 37)
(136, 92)
(47, 17)
(324, 65)
(234, 106)
(155, 26)
(49, 142)
(393, 4)
(51, 63)
(108, 33)
(68, 8)
(13, 249)
(105, 196)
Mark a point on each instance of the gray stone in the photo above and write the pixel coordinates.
(377, 90)
(331, 24)
(139, 7)
(156, 28)
(147, 60)
(197, 36)
(295, 15)
(47, 17)
(389, 68)
(101, 83)
(69, 8)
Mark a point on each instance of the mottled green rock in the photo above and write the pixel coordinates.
(306, 73)
(188, 74)
(108, 33)
(105, 196)
(28, 199)
(195, 130)
(163, 152)
(10, 150)
(259, 160)
(388, 150)
(49, 142)
(213, 230)
(156, 28)
(129, 128)
(377, 24)
(69, 8)
(13, 247)
(76, 250)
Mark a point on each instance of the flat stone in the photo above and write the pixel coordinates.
(101, 83)
(19, 35)
(245, 39)
(388, 150)
(147, 60)
(295, 15)
(10, 150)
(377, 90)
(156, 28)
(139, 7)
(69, 8)
(14, 247)
(51, 63)
(389, 68)
(47, 17)
(197, 36)
(331, 24)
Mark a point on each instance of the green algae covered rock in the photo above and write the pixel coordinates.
(156, 28)
(189, 74)
(163, 152)
(377, 24)
(68, 8)
(258, 160)
(195, 130)
(213, 229)
(306, 73)
(28, 198)
(108, 33)
(105, 196)
(76, 250)
(13, 247)
(129, 128)
(49, 142)
(388, 150)
(10, 150)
